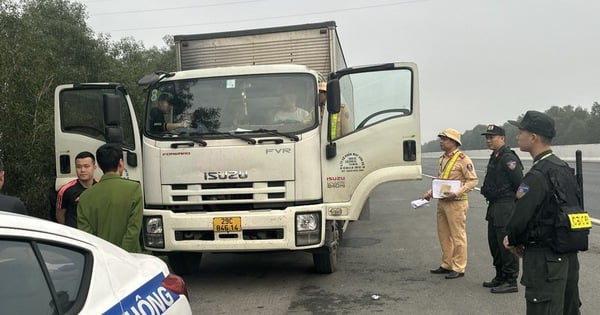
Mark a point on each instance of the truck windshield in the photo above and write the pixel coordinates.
(217, 105)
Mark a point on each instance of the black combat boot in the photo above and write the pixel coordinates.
(498, 280)
(508, 286)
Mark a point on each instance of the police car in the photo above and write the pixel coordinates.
(49, 268)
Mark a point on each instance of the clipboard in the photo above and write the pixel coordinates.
(441, 186)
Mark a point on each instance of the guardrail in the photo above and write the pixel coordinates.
(590, 153)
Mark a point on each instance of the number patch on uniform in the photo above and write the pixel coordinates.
(580, 221)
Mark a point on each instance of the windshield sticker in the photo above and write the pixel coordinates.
(352, 162)
(230, 84)
(154, 95)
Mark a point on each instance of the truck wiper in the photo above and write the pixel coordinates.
(277, 133)
(233, 135)
(192, 137)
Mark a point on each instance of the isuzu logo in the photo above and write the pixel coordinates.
(223, 175)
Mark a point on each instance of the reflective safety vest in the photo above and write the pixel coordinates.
(448, 168)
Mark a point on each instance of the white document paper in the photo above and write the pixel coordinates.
(441, 186)
(418, 203)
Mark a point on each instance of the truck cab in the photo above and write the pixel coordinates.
(238, 158)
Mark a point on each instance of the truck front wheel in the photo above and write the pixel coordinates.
(183, 263)
(325, 259)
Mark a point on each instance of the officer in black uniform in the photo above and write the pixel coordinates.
(502, 178)
(550, 279)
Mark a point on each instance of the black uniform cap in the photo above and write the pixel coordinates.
(536, 122)
(493, 130)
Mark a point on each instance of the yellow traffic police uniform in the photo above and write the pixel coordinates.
(452, 214)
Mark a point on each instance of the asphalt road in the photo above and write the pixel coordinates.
(388, 255)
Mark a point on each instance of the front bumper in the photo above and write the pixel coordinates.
(261, 230)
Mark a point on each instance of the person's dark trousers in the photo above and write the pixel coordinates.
(551, 281)
(506, 264)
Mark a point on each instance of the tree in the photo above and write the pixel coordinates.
(591, 126)
(574, 125)
(132, 61)
(45, 43)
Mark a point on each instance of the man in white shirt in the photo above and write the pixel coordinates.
(289, 110)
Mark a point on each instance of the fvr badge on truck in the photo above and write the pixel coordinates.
(279, 151)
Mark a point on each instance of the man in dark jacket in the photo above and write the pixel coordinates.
(551, 279)
(502, 179)
(9, 203)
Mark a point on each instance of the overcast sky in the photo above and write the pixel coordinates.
(480, 61)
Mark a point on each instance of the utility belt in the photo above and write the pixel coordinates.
(463, 198)
(536, 244)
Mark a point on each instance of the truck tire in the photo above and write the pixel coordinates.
(183, 263)
(340, 228)
(325, 259)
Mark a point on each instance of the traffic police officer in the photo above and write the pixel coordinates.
(550, 279)
(502, 178)
(452, 208)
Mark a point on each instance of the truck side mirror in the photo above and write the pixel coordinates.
(112, 118)
(112, 109)
(113, 134)
(131, 159)
(333, 96)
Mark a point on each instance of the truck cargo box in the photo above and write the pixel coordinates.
(314, 45)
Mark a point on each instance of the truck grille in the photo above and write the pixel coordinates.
(248, 235)
(227, 193)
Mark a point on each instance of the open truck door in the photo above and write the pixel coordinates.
(87, 116)
(373, 134)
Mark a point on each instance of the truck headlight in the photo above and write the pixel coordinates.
(308, 228)
(153, 232)
(307, 222)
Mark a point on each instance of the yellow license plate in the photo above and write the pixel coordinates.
(227, 224)
(580, 221)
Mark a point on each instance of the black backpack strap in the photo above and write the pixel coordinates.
(544, 216)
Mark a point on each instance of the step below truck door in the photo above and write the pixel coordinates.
(372, 132)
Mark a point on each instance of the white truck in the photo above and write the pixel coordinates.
(254, 165)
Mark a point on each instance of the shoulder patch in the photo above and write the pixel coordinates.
(522, 191)
(470, 167)
(511, 165)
